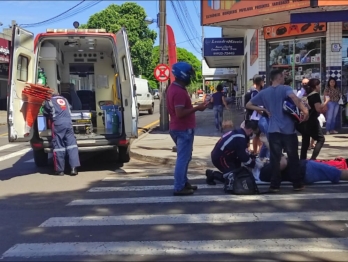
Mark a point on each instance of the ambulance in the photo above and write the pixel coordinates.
(73, 60)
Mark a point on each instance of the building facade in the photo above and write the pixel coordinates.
(4, 71)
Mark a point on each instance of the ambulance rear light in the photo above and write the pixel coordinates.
(75, 30)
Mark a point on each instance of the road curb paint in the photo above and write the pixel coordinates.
(147, 127)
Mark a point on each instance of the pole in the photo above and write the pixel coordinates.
(164, 118)
(203, 83)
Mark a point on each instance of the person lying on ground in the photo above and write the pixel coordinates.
(230, 152)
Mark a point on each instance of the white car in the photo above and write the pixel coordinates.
(145, 98)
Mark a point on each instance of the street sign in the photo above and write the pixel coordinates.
(162, 73)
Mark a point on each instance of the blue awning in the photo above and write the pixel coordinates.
(329, 16)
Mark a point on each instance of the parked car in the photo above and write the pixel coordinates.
(156, 94)
(145, 98)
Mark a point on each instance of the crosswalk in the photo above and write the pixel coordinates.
(132, 214)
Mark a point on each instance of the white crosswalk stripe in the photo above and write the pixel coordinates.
(141, 195)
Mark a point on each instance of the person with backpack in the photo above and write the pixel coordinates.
(311, 172)
(230, 152)
(255, 115)
(312, 128)
(281, 130)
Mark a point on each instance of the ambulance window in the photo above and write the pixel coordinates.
(22, 68)
(125, 68)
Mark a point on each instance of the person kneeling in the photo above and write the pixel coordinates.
(230, 152)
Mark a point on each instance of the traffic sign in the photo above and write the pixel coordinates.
(162, 73)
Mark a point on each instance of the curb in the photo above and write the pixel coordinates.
(147, 128)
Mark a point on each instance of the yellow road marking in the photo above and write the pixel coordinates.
(151, 125)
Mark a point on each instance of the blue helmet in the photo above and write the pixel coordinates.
(183, 71)
(290, 108)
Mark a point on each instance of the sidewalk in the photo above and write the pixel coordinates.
(3, 118)
(156, 146)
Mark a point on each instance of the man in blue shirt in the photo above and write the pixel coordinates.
(281, 130)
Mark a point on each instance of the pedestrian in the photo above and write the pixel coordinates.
(311, 128)
(302, 91)
(255, 115)
(281, 130)
(219, 101)
(332, 92)
(182, 124)
(57, 109)
(230, 152)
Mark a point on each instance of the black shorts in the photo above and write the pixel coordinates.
(258, 133)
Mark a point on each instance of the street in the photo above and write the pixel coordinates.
(128, 213)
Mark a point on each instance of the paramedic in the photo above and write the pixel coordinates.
(63, 138)
(182, 124)
(230, 152)
(281, 130)
(311, 172)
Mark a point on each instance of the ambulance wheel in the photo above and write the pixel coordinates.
(40, 158)
(123, 154)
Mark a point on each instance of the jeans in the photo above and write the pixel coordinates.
(218, 111)
(263, 126)
(317, 134)
(278, 142)
(332, 110)
(184, 146)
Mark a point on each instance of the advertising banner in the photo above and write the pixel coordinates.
(215, 11)
(332, 2)
(254, 47)
(4, 51)
(223, 46)
(286, 30)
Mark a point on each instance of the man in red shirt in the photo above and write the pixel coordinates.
(182, 124)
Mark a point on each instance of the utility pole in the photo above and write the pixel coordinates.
(164, 118)
(203, 83)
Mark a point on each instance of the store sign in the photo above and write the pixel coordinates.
(207, 71)
(336, 47)
(254, 47)
(286, 30)
(223, 46)
(215, 11)
(4, 69)
(4, 50)
(332, 2)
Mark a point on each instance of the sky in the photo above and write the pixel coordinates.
(28, 12)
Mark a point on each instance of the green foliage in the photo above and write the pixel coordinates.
(183, 56)
(131, 16)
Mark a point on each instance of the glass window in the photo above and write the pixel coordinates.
(299, 58)
(22, 68)
(345, 78)
(125, 68)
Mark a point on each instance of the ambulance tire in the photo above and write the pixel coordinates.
(40, 158)
(123, 154)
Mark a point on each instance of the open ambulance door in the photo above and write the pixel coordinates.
(128, 88)
(22, 70)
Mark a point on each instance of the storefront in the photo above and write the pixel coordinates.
(298, 49)
(4, 70)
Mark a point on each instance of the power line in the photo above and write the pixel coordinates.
(196, 9)
(47, 20)
(65, 15)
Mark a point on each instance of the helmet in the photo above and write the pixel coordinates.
(290, 108)
(183, 71)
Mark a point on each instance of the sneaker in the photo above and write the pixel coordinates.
(298, 187)
(273, 189)
(183, 192)
(210, 177)
(58, 173)
(189, 186)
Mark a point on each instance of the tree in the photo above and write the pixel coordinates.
(183, 56)
(131, 16)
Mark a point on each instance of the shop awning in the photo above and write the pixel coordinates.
(330, 16)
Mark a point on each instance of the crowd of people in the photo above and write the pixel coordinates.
(274, 117)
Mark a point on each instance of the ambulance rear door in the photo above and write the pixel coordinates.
(127, 81)
(22, 70)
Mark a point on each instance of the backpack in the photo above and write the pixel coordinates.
(240, 182)
(338, 162)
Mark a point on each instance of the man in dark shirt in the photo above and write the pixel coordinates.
(230, 152)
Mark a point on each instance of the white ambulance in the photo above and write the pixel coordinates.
(76, 59)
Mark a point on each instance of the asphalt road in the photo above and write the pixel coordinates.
(113, 213)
